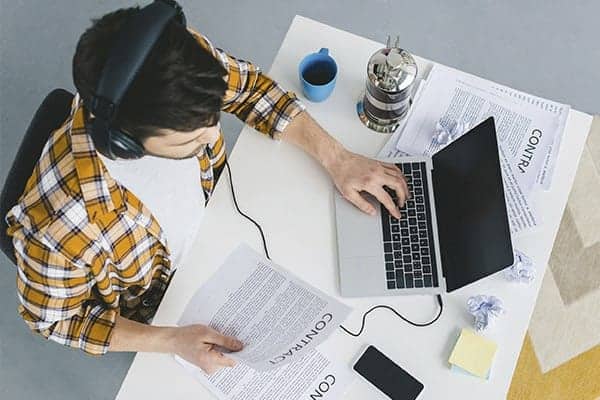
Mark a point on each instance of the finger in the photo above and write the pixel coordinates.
(395, 174)
(403, 185)
(407, 191)
(391, 166)
(397, 186)
(393, 170)
(227, 342)
(385, 199)
(355, 198)
(216, 358)
(210, 369)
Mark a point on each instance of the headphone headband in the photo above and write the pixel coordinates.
(135, 41)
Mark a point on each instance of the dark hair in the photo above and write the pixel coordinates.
(180, 86)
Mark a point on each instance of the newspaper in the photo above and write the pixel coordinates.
(279, 318)
(528, 128)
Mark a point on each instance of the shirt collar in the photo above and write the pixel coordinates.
(100, 191)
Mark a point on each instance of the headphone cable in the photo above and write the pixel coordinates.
(237, 207)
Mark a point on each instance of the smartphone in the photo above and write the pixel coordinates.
(387, 376)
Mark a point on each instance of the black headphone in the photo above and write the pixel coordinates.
(135, 41)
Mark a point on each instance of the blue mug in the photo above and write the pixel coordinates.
(318, 72)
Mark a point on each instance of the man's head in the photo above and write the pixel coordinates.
(172, 107)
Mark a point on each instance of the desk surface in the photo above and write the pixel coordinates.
(294, 204)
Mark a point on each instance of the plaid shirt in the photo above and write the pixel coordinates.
(87, 249)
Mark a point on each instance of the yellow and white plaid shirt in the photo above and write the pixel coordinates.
(87, 249)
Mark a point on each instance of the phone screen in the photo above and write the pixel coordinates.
(387, 376)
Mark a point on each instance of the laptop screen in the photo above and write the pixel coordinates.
(470, 206)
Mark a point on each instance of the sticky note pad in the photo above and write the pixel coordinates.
(459, 370)
(473, 353)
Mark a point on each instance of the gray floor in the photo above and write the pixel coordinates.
(549, 48)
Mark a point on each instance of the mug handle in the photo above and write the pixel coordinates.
(324, 50)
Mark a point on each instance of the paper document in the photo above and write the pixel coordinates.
(521, 216)
(561, 111)
(528, 130)
(310, 377)
(277, 316)
(389, 150)
(524, 131)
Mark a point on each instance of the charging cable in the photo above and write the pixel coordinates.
(402, 317)
(364, 317)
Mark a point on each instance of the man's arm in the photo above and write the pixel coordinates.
(252, 96)
(194, 343)
(55, 302)
(266, 106)
(351, 173)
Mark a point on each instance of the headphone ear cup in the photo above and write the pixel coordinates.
(181, 18)
(179, 14)
(100, 134)
(125, 146)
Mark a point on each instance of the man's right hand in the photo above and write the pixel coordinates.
(196, 344)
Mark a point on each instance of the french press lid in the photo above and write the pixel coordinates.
(392, 69)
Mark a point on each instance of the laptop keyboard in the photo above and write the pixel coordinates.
(408, 242)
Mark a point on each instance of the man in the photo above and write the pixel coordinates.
(98, 239)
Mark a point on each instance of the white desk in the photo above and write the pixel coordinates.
(294, 204)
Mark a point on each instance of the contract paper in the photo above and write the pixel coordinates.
(277, 316)
(561, 111)
(521, 216)
(527, 129)
(311, 377)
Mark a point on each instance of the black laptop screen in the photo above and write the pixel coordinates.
(470, 206)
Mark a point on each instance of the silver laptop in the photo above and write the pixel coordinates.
(453, 231)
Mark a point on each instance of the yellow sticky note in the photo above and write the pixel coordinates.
(473, 353)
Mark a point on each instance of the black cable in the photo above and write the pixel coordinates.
(237, 207)
(364, 317)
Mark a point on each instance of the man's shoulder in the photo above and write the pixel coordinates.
(53, 183)
(206, 44)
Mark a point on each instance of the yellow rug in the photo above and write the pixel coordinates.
(577, 379)
(560, 358)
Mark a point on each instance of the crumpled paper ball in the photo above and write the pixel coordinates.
(522, 270)
(484, 309)
(444, 135)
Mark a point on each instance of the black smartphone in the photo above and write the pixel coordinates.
(387, 376)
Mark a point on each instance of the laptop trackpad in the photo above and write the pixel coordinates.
(359, 234)
(363, 276)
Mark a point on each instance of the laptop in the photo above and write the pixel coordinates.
(453, 231)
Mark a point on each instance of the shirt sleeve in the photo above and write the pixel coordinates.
(56, 299)
(252, 96)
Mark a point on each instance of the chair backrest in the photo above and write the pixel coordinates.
(49, 116)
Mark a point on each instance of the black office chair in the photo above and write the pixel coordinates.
(50, 115)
